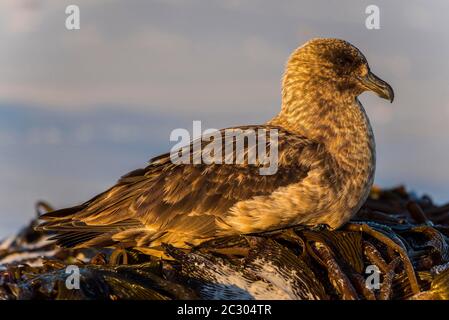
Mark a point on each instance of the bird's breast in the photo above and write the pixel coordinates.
(354, 155)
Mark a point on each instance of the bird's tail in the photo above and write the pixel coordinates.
(73, 233)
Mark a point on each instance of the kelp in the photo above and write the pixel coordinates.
(396, 238)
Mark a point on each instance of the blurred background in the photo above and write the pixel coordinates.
(80, 108)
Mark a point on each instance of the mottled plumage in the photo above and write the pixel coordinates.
(326, 163)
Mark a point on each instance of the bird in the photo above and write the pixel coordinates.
(326, 162)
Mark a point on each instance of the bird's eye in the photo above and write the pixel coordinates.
(344, 61)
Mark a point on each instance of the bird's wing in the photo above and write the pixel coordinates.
(167, 197)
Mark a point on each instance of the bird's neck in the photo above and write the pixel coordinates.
(323, 114)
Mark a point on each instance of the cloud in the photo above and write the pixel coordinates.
(184, 56)
(149, 66)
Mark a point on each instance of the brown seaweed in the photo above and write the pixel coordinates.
(404, 237)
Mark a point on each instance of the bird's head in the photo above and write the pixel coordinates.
(335, 63)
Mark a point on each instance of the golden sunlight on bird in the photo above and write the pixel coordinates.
(326, 164)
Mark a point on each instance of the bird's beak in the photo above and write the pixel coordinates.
(373, 83)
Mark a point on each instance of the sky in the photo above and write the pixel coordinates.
(80, 108)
